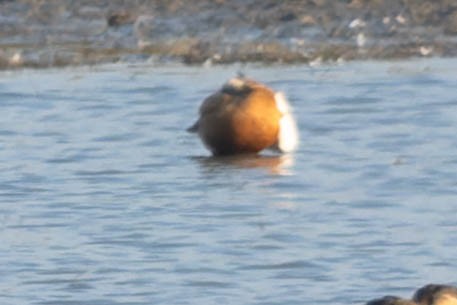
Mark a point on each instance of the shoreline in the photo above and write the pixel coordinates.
(39, 34)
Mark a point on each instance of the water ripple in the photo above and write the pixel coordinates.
(106, 199)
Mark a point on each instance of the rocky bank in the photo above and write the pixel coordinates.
(46, 33)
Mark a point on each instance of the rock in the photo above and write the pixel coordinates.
(119, 18)
(450, 24)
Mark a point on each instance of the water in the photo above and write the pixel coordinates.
(106, 200)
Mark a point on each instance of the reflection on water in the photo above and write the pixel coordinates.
(104, 202)
(278, 165)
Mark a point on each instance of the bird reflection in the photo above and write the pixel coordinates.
(277, 165)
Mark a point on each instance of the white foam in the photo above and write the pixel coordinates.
(288, 131)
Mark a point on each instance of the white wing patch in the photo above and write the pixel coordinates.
(288, 132)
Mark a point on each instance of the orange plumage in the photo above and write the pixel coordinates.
(242, 117)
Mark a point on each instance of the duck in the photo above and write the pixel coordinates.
(431, 294)
(390, 300)
(245, 117)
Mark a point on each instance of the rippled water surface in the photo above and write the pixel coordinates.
(106, 200)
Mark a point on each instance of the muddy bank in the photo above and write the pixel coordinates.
(65, 32)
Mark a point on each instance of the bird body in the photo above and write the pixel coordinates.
(430, 294)
(245, 116)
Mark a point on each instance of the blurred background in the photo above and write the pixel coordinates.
(41, 33)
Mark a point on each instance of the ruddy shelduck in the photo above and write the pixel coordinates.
(390, 300)
(245, 116)
(428, 295)
(436, 295)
